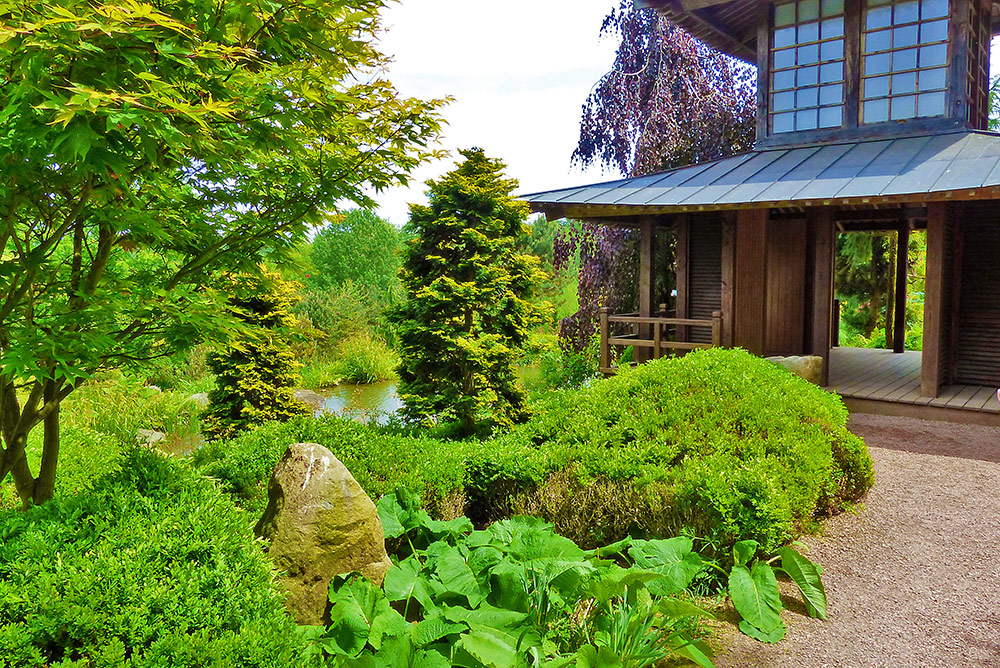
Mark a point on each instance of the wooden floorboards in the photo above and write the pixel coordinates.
(884, 376)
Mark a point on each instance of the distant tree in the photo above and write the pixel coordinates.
(668, 101)
(199, 135)
(467, 305)
(359, 247)
(255, 377)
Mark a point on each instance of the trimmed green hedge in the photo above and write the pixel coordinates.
(150, 566)
(718, 443)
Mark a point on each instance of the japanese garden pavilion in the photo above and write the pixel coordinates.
(871, 116)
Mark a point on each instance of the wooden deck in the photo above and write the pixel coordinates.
(880, 381)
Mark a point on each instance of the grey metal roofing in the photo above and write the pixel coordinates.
(964, 164)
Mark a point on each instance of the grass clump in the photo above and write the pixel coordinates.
(150, 566)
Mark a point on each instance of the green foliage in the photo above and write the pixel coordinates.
(148, 566)
(754, 589)
(148, 151)
(358, 247)
(516, 594)
(467, 309)
(565, 367)
(256, 377)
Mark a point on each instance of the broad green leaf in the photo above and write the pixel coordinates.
(755, 595)
(806, 575)
(772, 636)
(673, 608)
(673, 557)
(485, 615)
(613, 549)
(405, 581)
(355, 603)
(434, 628)
(590, 656)
(392, 516)
(615, 581)
(509, 586)
(455, 528)
(696, 653)
(744, 551)
(387, 624)
(496, 648)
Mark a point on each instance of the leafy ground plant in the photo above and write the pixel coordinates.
(515, 594)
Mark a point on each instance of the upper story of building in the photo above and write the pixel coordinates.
(835, 70)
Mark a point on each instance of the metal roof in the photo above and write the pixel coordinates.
(956, 165)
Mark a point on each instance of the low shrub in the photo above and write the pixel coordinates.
(151, 566)
(719, 444)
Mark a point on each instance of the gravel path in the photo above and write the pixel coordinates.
(912, 579)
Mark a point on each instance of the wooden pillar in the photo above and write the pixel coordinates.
(822, 231)
(749, 280)
(728, 278)
(682, 227)
(899, 308)
(647, 282)
(934, 300)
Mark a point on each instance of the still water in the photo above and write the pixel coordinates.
(365, 403)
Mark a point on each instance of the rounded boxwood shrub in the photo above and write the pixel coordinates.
(151, 566)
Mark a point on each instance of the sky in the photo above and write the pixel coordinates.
(519, 83)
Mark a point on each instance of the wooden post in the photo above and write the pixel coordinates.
(647, 282)
(934, 300)
(728, 278)
(899, 309)
(683, 255)
(749, 278)
(657, 334)
(716, 328)
(823, 234)
(605, 358)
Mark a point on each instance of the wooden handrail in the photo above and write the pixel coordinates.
(657, 343)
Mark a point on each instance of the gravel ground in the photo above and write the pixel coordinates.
(912, 579)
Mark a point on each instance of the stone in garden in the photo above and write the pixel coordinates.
(200, 398)
(149, 437)
(809, 367)
(318, 523)
(312, 399)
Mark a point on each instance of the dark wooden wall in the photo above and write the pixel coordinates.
(977, 345)
(785, 288)
(704, 279)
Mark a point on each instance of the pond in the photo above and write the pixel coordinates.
(373, 403)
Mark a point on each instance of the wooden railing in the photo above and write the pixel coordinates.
(656, 334)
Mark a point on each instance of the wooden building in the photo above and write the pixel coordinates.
(872, 115)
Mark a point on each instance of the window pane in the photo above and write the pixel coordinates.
(806, 97)
(876, 87)
(808, 76)
(875, 111)
(808, 32)
(877, 64)
(878, 17)
(809, 55)
(907, 12)
(934, 8)
(784, 79)
(784, 15)
(784, 58)
(930, 104)
(931, 79)
(905, 36)
(903, 107)
(933, 55)
(784, 37)
(783, 122)
(831, 50)
(831, 94)
(904, 83)
(831, 117)
(878, 41)
(832, 7)
(934, 31)
(808, 10)
(805, 120)
(832, 28)
(904, 60)
(783, 101)
(831, 72)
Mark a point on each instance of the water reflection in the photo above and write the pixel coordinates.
(373, 403)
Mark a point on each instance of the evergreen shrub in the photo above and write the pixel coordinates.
(719, 443)
(151, 566)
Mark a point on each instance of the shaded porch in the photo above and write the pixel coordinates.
(886, 383)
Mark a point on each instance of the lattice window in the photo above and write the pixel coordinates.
(904, 59)
(807, 66)
(977, 89)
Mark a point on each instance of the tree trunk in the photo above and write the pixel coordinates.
(46, 482)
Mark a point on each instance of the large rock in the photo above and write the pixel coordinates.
(312, 399)
(809, 367)
(319, 522)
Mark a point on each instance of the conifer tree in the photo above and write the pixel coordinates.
(255, 379)
(467, 308)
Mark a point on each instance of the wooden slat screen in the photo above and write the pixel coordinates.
(978, 342)
(705, 273)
